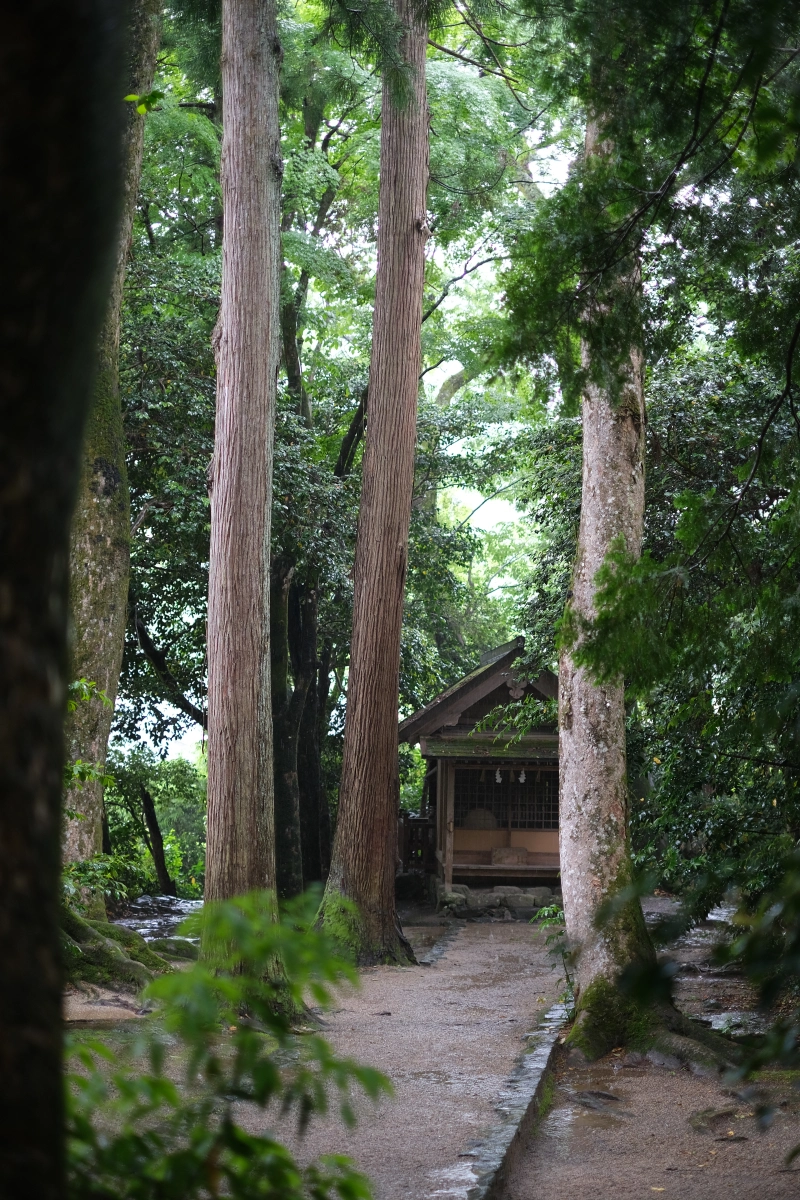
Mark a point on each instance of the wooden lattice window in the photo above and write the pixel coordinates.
(524, 797)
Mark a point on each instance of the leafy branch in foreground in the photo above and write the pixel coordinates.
(141, 1132)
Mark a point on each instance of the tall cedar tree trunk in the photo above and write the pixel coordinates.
(365, 846)
(58, 206)
(100, 547)
(240, 840)
(595, 860)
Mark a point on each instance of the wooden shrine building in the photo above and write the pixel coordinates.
(489, 808)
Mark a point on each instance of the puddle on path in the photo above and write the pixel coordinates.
(423, 937)
(453, 1183)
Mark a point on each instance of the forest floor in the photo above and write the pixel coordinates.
(448, 1036)
(629, 1126)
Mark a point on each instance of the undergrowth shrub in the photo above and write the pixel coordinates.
(181, 1117)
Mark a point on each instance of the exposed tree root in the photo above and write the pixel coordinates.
(100, 953)
(607, 1018)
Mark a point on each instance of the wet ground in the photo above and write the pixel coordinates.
(626, 1128)
(619, 1132)
(719, 996)
(448, 1036)
(160, 916)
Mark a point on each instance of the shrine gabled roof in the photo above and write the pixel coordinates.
(495, 669)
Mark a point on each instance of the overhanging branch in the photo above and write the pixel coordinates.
(158, 661)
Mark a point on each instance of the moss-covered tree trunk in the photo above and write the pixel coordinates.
(61, 87)
(364, 858)
(100, 543)
(595, 860)
(240, 841)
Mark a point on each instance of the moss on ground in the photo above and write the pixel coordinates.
(175, 947)
(104, 954)
(134, 945)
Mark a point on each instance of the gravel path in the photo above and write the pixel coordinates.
(447, 1036)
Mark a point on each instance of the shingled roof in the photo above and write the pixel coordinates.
(495, 669)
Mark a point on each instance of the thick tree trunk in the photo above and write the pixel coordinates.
(100, 546)
(155, 845)
(240, 840)
(595, 860)
(365, 846)
(58, 206)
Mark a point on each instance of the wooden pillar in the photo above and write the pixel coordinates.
(440, 817)
(449, 817)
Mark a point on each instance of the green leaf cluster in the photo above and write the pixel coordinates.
(184, 1115)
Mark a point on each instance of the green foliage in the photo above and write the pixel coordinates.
(180, 1118)
(144, 104)
(514, 720)
(81, 691)
(115, 877)
(330, 115)
(412, 775)
(178, 788)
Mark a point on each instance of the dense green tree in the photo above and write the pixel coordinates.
(699, 121)
(330, 123)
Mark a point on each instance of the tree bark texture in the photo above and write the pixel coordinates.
(58, 206)
(595, 861)
(240, 837)
(365, 846)
(100, 546)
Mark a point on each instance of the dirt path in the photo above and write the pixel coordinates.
(448, 1036)
(626, 1128)
(626, 1132)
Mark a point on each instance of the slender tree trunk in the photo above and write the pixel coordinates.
(58, 206)
(156, 845)
(365, 846)
(240, 841)
(595, 860)
(325, 823)
(313, 802)
(287, 711)
(100, 546)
